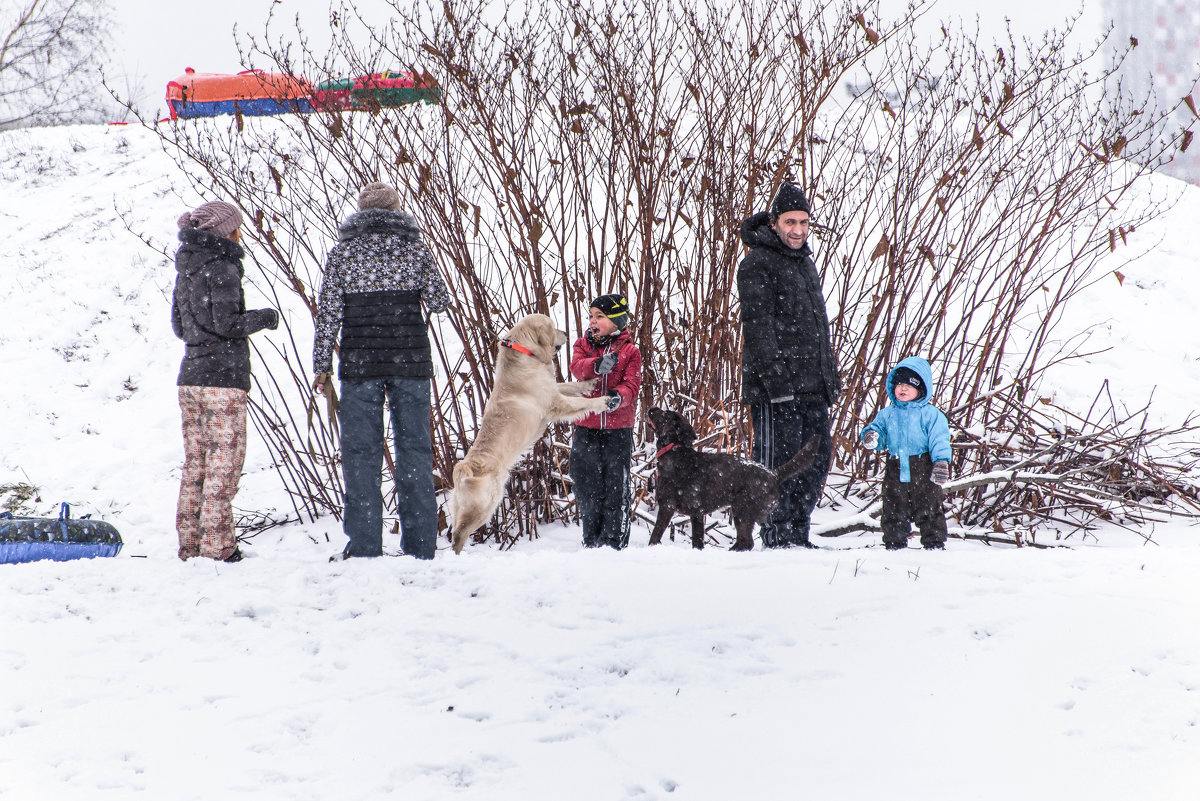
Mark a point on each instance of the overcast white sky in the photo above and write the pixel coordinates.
(156, 40)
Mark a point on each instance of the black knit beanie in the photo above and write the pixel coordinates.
(615, 308)
(789, 198)
(904, 375)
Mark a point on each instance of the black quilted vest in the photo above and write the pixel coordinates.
(384, 336)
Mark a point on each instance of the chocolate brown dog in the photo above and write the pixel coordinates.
(695, 483)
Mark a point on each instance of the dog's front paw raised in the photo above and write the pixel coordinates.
(613, 401)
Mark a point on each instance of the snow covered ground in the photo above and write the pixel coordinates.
(547, 672)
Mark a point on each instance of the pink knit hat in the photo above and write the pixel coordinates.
(378, 195)
(218, 217)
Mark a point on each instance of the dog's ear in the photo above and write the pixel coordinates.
(547, 339)
(684, 433)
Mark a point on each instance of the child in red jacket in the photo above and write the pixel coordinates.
(602, 445)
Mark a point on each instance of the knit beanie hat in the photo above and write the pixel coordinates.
(217, 217)
(904, 375)
(615, 308)
(789, 198)
(378, 195)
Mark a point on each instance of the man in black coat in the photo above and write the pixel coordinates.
(789, 373)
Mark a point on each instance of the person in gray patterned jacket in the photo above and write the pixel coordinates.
(376, 278)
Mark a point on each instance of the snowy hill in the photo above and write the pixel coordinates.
(548, 672)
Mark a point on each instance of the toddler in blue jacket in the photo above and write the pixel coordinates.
(916, 436)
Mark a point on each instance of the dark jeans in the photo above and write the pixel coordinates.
(361, 418)
(780, 430)
(600, 460)
(917, 501)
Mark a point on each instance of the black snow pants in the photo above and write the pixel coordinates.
(600, 462)
(918, 501)
(780, 430)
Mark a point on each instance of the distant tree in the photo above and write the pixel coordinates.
(51, 52)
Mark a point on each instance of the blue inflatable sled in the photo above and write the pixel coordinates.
(29, 539)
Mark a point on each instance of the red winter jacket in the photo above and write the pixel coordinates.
(625, 378)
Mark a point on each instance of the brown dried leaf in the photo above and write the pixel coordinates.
(1191, 104)
(882, 248)
(1120, 277)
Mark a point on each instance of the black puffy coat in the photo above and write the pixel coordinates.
(786, 347)
(209, 312)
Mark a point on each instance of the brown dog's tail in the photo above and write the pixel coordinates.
(801, 461)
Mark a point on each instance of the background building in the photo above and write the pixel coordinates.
(1167, 57)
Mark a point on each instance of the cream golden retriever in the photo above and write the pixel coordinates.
(525, 399)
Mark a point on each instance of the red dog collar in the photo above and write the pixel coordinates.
(670, 447)
(517, 346)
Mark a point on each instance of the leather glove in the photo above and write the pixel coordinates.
(870, 440)
(614, 400)
(941, 473)
(323, 385)
(606, 364)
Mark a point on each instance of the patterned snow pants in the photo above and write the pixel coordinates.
(214, 448)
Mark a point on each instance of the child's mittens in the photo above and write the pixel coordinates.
(870, 440)
(613, 400)
(941, 473)
(606, 364)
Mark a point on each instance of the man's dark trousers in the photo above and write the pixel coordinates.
(780, 430)
(360, 415)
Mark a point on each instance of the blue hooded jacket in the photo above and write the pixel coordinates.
(910, 428)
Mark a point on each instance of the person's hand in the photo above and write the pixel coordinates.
(870, 440)
(941, 473)
(606, 364)
(320, 381)
(613, 400)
